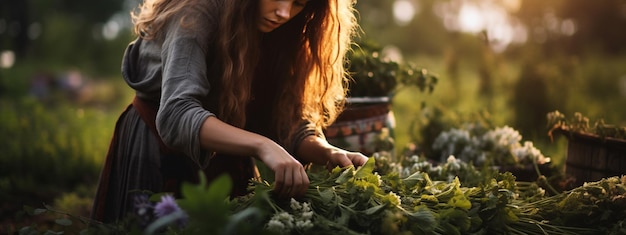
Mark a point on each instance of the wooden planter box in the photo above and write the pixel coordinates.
(591, 157)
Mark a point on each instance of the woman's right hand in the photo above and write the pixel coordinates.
(290, 177)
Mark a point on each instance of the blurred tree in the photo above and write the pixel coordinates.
(59, 33)
(531, 102)
(575, 26)
(93, 11)
(424, 33)
(601, 23)
(486, 68)
(14, 22)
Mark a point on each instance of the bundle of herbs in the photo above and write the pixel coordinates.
(368, 200)
(360, 201)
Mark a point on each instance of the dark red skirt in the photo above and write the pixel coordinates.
(137, 163)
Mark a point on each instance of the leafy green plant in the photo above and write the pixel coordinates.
(353, 200)
(579, 123)
(373, 76)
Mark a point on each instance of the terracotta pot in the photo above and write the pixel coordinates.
(358, 127)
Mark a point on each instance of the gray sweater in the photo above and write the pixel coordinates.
(176, 71)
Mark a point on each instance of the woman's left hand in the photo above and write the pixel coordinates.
(317, 150)
(343, 158)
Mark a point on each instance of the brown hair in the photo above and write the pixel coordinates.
(312, 46)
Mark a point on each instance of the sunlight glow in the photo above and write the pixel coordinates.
(471, 19)
(404, 11)
(110, 30)
(568, 27)
(512, 5)
(34, 30)
(478, 16)
(7, 59)
(392, 53)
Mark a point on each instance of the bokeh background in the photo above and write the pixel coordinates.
(508, 61)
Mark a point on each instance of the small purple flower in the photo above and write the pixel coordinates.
(143, 209)
(167, 206)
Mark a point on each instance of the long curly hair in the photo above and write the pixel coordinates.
(307, 54)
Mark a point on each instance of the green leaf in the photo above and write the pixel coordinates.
(367, 169)
(344, 217)
(243, 221)
(374, 210)
(447, 193)
(63, 222)
(217, 191)
(50, 232)
(426, 198)
(164, 221)
(29, 230)
(220, 188)
(457, 217)
(423, 218)
(33, 211)
(449, 229)
(345, 176)
(460, 201)
(511, 216)
(327, 195)
(413, 180)
(206, 207)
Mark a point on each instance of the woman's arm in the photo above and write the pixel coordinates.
(290, 178)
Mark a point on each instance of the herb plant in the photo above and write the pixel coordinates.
(579, 123)
(374, 76)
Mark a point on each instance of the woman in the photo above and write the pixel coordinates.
(221, 82)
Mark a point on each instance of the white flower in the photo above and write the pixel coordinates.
(304, 225)
(453, 163)
(295, 205)
(452, 142)
(529, 153)
(284, 222)
(275, 225)
(286, 218)
(307, 215)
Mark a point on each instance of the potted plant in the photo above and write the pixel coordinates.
(593, 152)
(367, 123)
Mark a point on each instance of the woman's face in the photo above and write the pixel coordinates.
(274, 13)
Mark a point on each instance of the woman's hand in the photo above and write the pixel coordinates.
(317, 150)
(343, 158)
(290, 177)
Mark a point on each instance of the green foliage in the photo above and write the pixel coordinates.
(580, 124)
(375, 76)
(206, 203)
(48, 150)
(359, 201)
(50, 144)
